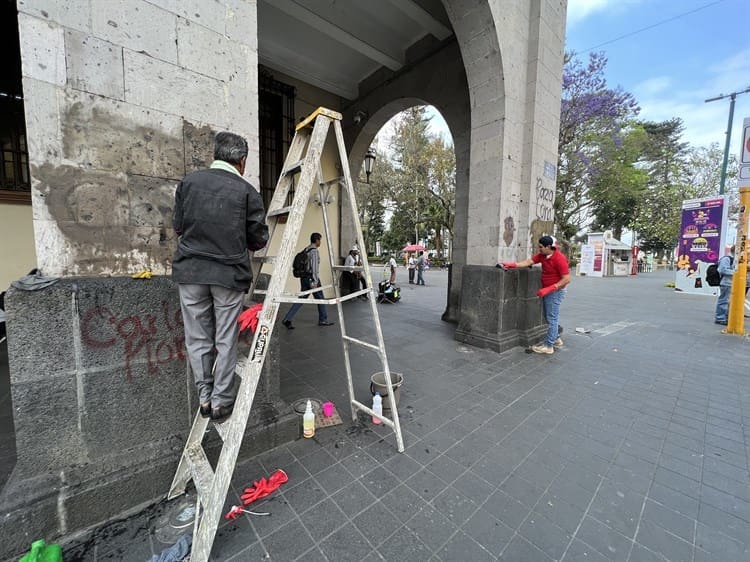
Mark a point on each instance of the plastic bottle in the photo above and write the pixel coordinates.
(377, 407)
(308, 421)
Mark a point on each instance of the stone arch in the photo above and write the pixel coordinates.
(438, 80)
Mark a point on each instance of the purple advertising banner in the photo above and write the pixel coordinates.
(700, 243)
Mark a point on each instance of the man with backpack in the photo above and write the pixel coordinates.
(309, 278)
(726, 270)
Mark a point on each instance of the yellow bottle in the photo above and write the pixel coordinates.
(308, 422)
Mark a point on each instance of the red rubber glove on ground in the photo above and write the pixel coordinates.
(509, 264)
(261, 488)
(249, 318)
(543, 292)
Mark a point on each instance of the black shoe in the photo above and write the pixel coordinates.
(288, 324)
(326, 323)
(222, 413)
(720, 322)
(206, 410)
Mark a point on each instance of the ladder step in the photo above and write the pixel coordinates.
(277, 212)
(264, 259)
(295, 168)
(334, 181)
(362, 343)
(223, 429)
(200, 470)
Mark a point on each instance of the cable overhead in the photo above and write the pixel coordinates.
(653, 25)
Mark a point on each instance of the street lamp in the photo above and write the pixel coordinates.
(732, 97)
(369, 161)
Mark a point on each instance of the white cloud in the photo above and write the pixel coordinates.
(579, 10)
(704, 122)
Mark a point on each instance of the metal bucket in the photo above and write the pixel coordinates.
(377, 384)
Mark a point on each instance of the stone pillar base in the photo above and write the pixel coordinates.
(102, 405)
(500, 309)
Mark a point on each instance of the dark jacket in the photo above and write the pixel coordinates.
(219, 217)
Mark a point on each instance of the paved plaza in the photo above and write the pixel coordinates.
(629, 444)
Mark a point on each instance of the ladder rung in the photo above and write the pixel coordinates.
(294, 168)
(200, 469)
(332, 182)
(223, 429)
(362, 343)
(349, 267)
(281, 211)
(264, 259)
(369, 411)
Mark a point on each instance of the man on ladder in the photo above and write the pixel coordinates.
(219, 217)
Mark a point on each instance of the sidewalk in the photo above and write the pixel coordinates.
(630, 443)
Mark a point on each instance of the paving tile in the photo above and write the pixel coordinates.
(521, 550)
(379, 481)
(402, 466)
(312, 555)
(404, 545)
(403, 502)
(640, 553)
(655, 538)
(359, 463)
(719, 545)
(726, 523)
(446, 469)
(681, 467)
(726, 502)
(522, 490)
(677, 482)
(618, 507)
(317, 461)
(674, 500)
(669, 520)
(507, 509)
(281, 513)
(305, 495)
(377, 522)
(581, 552)
(255, 551)
(432, 528)
(353, 498)
(537, 474)
(232, 538)
(605, 540)
(280, 545)
(545, 535)
(570, 492)
(426, 484)
(454, 505)
(462, 547)
(488, 531)
(333, 478)
(346, 544)
(474, 487)
(741, 490)
(323, 519)
(560, 512)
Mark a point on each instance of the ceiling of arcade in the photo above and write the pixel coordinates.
(335, 44)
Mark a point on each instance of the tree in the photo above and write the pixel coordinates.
(592, 119)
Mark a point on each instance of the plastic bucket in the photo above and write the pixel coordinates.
(377, 384)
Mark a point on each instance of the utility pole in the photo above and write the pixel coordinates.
(732, 97)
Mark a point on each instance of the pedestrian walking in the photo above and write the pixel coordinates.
(555, 277)
(420, 268)
(726, 269)
(308, 281)
(218, 217)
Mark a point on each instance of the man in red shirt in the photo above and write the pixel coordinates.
(555, 277)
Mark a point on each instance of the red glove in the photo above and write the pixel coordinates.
(261, 488)
(249, 318)
(509, 264)
(544, 291)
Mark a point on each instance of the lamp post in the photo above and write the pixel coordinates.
(369, 161)
(732, 97)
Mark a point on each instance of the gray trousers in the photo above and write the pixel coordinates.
(209, 314)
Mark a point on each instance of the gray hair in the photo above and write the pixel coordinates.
(230, 148)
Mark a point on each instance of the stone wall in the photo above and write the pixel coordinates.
(122, 99)
(102, 404)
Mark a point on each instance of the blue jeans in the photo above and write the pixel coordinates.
(551, 304)
(722, 305)
(420, 279)
(306, 284)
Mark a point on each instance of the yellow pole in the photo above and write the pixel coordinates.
(736, 320)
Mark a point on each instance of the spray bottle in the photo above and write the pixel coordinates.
(377, 407)
(308, 421)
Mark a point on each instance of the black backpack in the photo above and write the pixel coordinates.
(301, 263)
(713, 278)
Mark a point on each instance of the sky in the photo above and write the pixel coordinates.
(671, 68)
(693, 50)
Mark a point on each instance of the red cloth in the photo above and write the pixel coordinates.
(261, 488)
(249, 318)
(541, 293)
(554, 267)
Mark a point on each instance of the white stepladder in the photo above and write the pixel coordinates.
(303, 160)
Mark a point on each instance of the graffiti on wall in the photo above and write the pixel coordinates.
(543, 223)
(145, 338)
